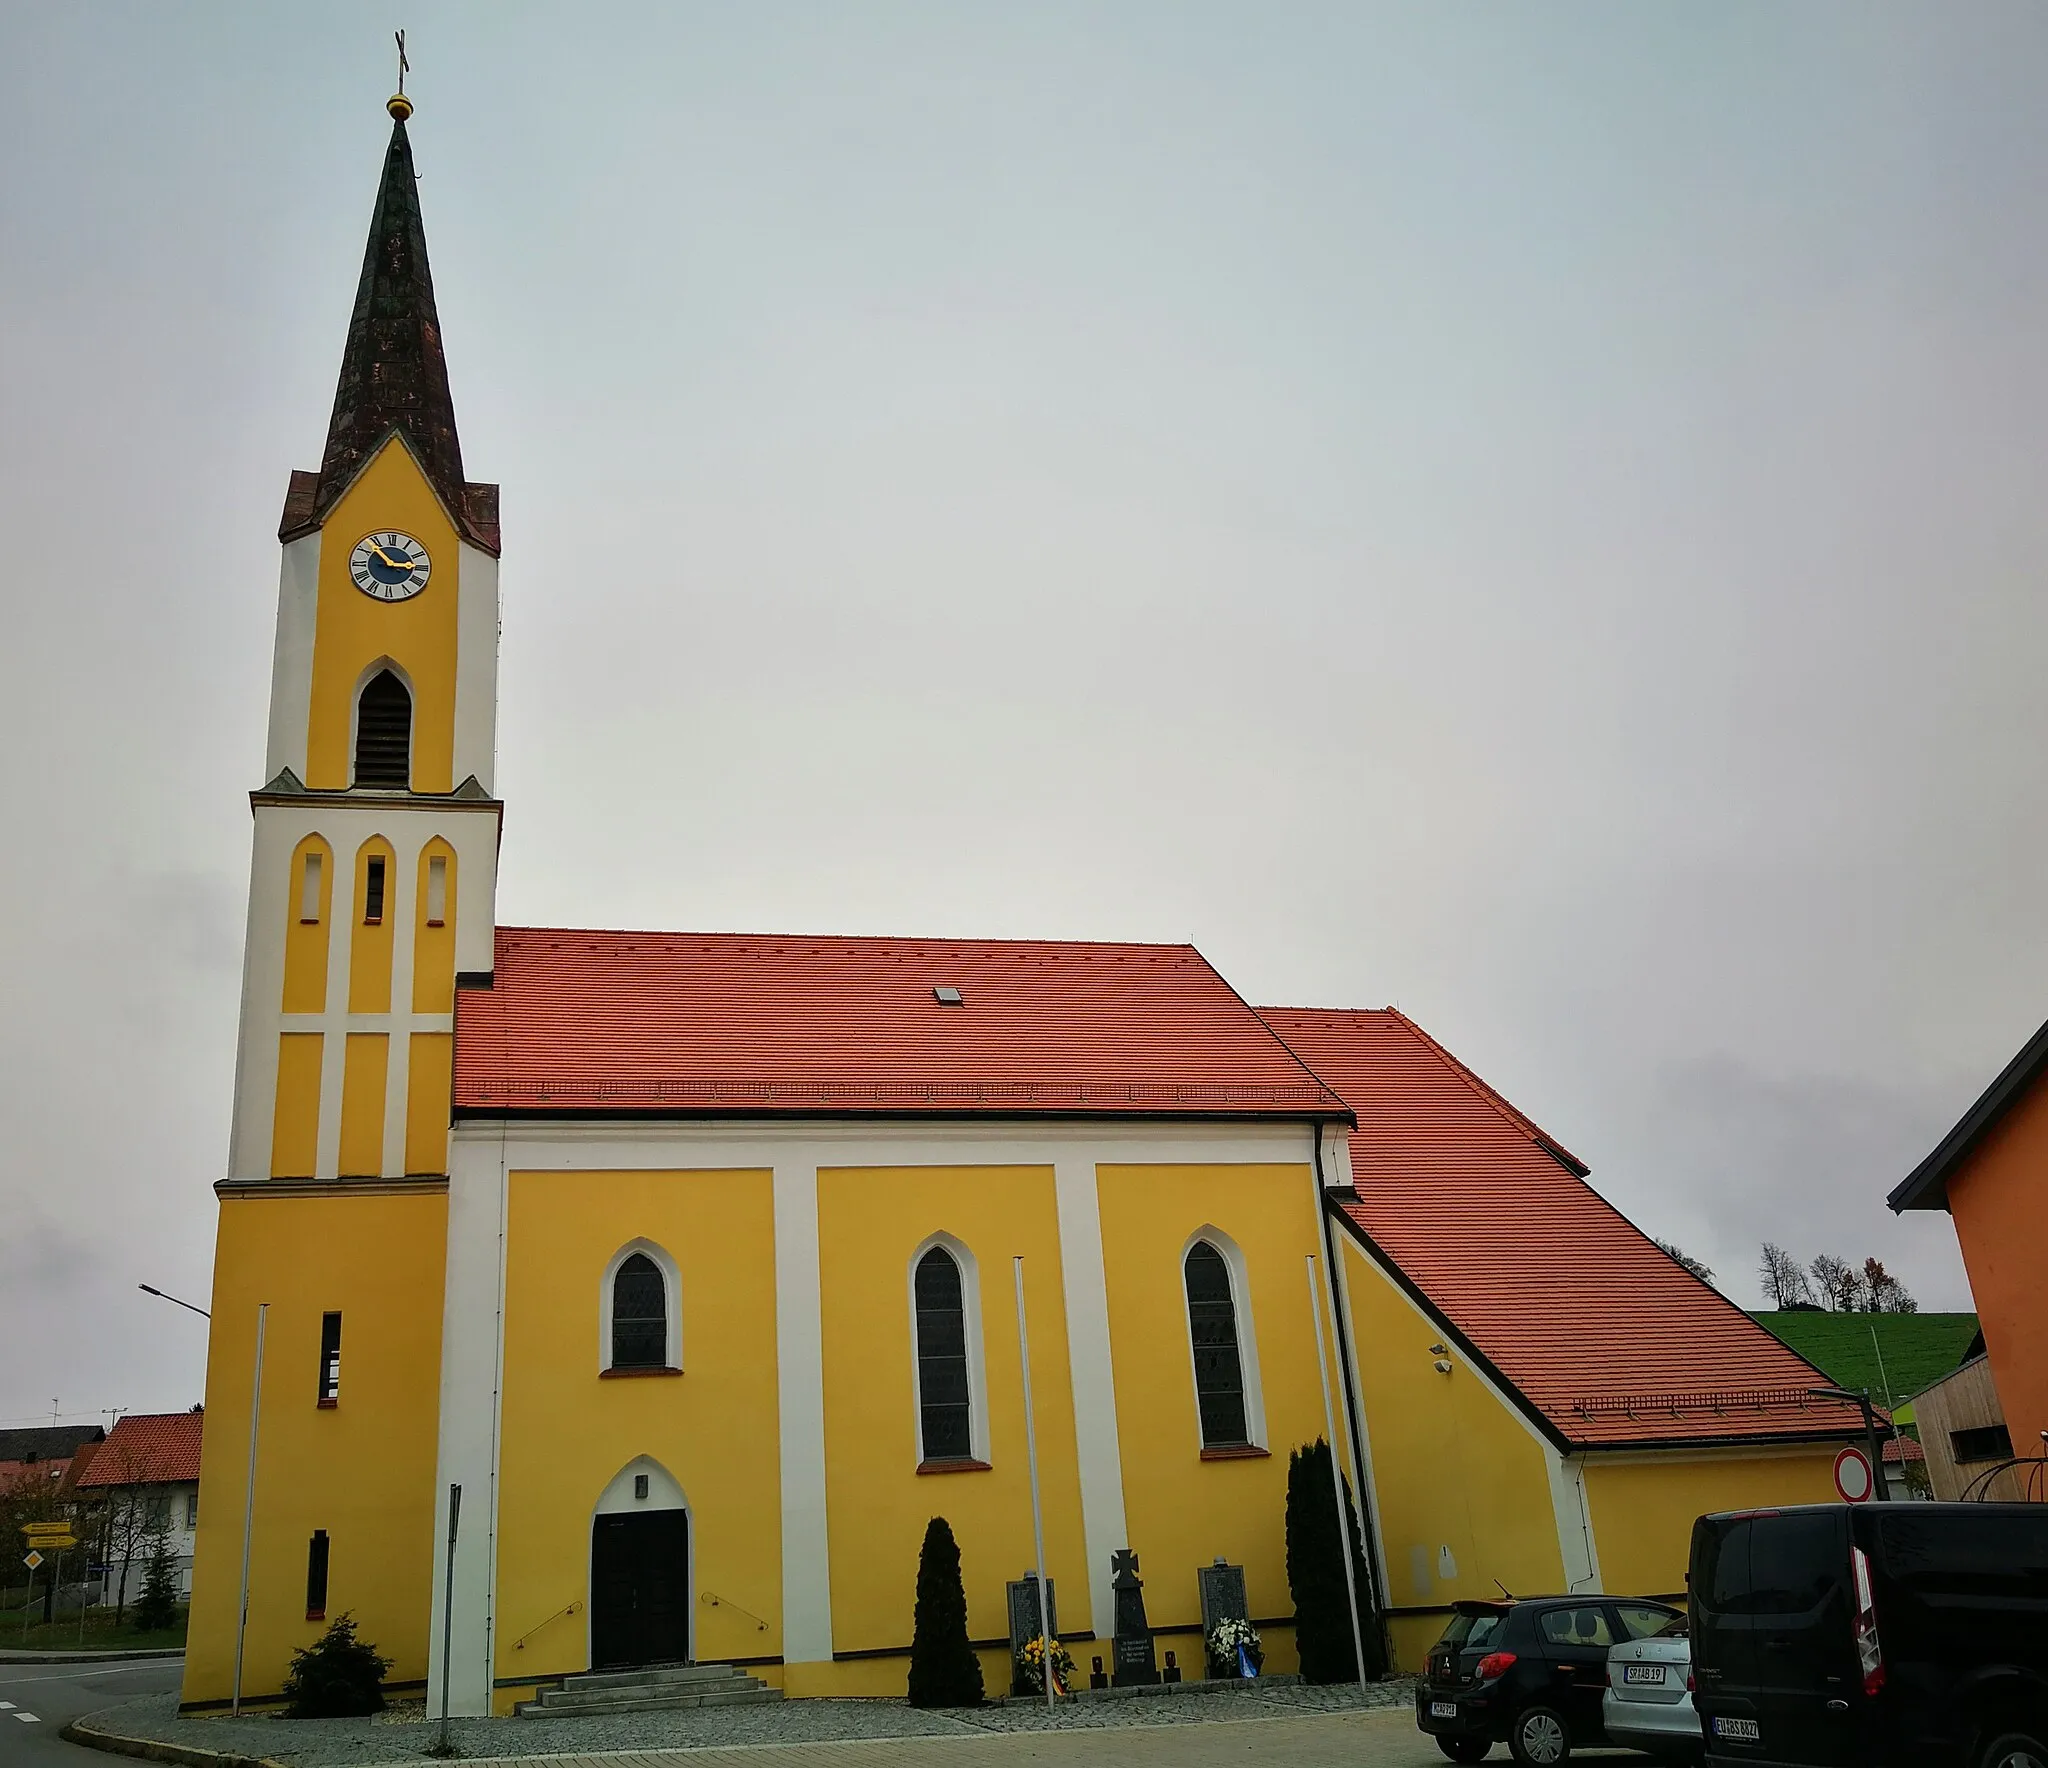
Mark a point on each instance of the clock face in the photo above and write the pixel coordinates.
(390, 566)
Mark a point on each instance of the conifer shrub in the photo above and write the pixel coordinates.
(338, 1676)
(944, 1672)
(1315, 1573)
(156, 1609)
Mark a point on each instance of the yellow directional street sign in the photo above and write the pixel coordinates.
(48, 1534)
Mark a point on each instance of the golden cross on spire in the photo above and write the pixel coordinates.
(398, 104)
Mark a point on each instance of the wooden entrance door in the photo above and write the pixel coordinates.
(640, 1589)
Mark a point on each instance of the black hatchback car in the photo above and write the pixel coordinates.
(1873, 1636)
(1529, 1673)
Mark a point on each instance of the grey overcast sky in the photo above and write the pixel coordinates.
(1530, 513)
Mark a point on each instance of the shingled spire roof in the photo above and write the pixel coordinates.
(394, 376)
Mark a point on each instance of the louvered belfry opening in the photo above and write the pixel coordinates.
(384, 733)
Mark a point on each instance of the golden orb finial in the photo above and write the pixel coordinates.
(399, 106)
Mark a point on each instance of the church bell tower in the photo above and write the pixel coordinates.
(377, 827)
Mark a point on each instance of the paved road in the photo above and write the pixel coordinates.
(38, 1700)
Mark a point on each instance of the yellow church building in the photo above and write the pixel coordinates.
(694, 1259)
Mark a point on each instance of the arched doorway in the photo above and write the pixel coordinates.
(640, 1570)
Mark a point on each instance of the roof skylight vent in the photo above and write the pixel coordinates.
(947, 997)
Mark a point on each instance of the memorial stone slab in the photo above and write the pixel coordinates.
(1135, 1663)
(1023, 1604)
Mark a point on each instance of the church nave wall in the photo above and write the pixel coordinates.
(1186, 1505)
(872, 1222)
(569, 1426)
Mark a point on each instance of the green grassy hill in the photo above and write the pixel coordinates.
(1917, 1349)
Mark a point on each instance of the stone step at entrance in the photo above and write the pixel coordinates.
(653, 1689)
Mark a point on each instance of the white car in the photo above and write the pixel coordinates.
(1648, 1703)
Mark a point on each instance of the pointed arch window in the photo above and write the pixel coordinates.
(1219, 1353)
(945, 1406)
(639, 1315)
(384, 733)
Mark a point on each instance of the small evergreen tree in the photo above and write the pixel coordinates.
(944, 1672)
(338, 1676)
(156, 1609)
(1315, 1574)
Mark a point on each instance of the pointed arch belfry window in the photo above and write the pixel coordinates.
(384, 733)
(1219, 1356)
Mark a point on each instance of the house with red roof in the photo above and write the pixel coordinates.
(595, 1300)
(143, 1482)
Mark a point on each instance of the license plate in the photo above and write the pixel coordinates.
(1642, 1672)
(1742, 1730)
(1443, 1709)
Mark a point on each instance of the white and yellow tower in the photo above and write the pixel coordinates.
(372, 890)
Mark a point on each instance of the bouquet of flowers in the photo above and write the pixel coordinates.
(1234, 1648)
(1031, 1667)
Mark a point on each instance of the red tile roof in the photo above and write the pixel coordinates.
(715, 1024)
(1607, 1338)
(147, 1449)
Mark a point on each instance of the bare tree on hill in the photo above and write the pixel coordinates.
(1702, 1272)
(1784, 1279)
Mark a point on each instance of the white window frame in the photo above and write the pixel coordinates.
(672, 1301)
(312, 865)
(437, 889)
(977, 1374)
(1247, 1331)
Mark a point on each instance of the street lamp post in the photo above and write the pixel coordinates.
(1861, 1397)
(148, 1289)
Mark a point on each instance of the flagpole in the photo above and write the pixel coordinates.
(1037, 1514)
(249, 1505)
(1315, 1314)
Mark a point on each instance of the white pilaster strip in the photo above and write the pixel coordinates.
(800, 1381)
(405, 907)
(472, 1334)
(1349, 1351)
(341, 924)
(1574, 1519)
(1096, 1446)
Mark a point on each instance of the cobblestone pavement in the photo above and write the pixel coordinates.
(1275, 1727)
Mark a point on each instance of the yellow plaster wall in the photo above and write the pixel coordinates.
(366, 1070)
(566, 1431)
(362, 1470)
(369, 943)
(1183, 1511)
(429, 1088)
(305, 942)
(1643, 1511)
(433, 945)
(353, 631)
(1452, 1467)
(870, 1221)
(295, 1122)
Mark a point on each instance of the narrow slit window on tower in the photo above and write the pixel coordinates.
(309, 890)
(944, 1407)
(384, 733)
(373, 891)
(437, 892)
(316, 1576)
(330, 1359)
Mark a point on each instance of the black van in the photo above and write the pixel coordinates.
(1837, 1635)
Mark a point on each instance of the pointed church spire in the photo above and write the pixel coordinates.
(394, 376)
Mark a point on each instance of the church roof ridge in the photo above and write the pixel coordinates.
(921, 941)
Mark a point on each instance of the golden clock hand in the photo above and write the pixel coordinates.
(395, 564)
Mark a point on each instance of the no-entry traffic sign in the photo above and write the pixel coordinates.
(1853, 1477)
